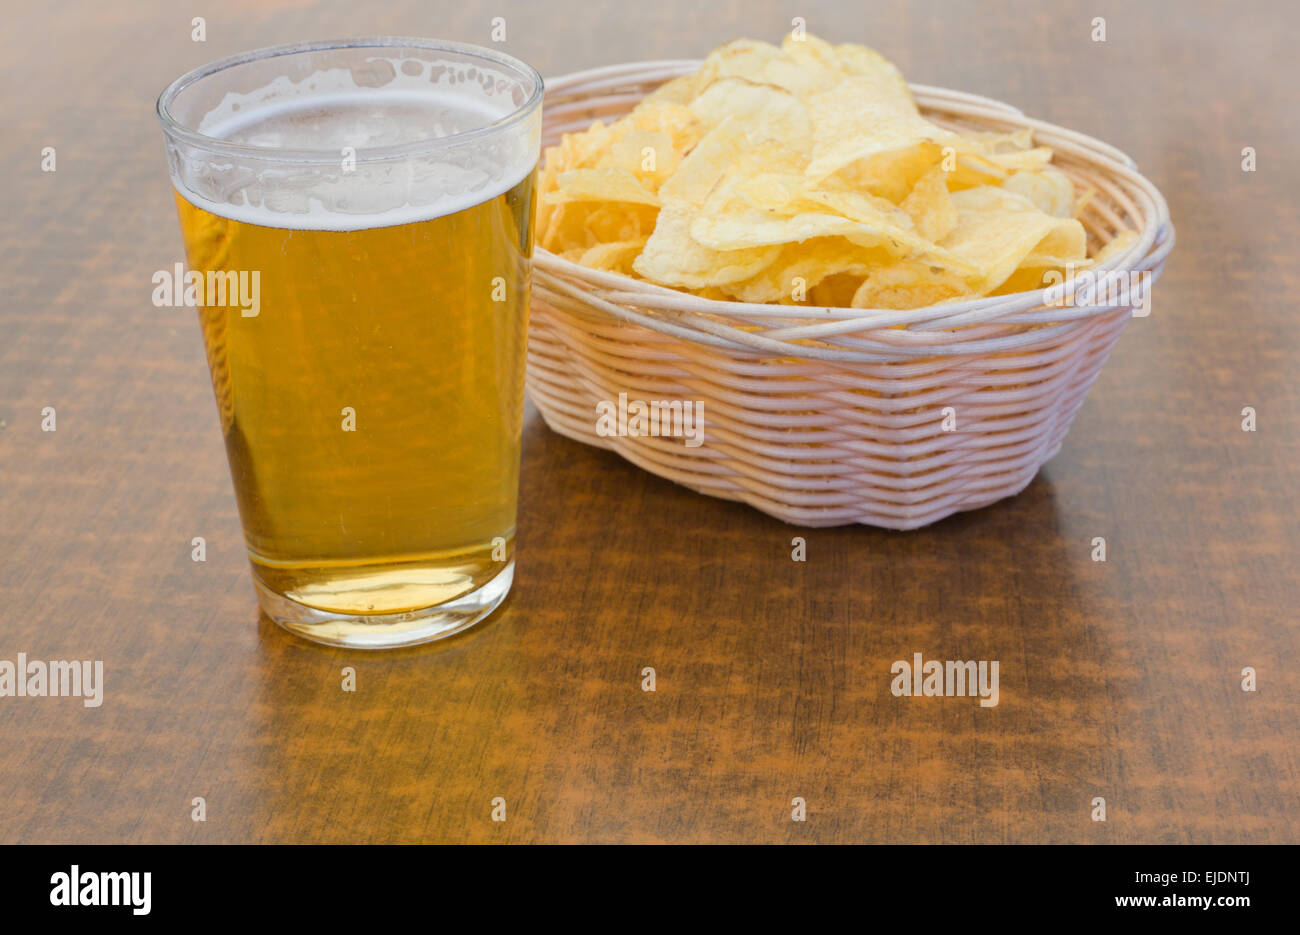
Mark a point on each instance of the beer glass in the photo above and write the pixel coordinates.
(357, 217)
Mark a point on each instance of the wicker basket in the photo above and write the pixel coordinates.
(851, 429)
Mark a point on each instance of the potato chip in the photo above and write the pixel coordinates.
(706, 163)
(801, 267)
(615, 257)
(806, 174)
(555, 236)
(734, 222)
(835, 291)
(681, 91)
(858, 60)
(891, 175)
(865, 116)
(1050, 189)
(973, 170)
(615, 221)
(930, 206)
(1035, 158)
(1031, 276)
(765, 112)
(769, 170)
(650, 157)
(1117, 245)
(673, 258)
(1015, 141)
(996, 230)
(761, 200)
(816, 58)
(678, 122)
(757, 63)
(584, 150)
(1067, 241)
(858, 206)
(908, 284)
(600, 185)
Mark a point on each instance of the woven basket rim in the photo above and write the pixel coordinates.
(1071, 151)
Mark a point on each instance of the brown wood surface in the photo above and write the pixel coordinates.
(1119, 680)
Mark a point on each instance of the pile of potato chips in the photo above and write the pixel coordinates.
(806, 175)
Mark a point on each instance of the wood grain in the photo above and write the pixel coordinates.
(1118, 679)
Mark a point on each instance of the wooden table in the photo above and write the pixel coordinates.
(1119, 679)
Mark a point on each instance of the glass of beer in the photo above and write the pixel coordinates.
(357, 216)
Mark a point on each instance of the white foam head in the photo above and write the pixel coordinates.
(389, 136)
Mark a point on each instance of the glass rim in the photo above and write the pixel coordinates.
(179, 131)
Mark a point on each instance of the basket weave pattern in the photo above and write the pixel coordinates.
(824, 417)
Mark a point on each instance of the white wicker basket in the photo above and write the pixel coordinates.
(851, 430)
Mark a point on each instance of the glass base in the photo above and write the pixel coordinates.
(386, 631)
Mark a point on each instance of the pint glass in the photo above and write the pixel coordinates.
(357, 217)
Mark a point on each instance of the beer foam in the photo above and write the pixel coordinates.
(419, 101)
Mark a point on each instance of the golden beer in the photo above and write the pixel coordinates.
(371, 399)
(395, 505)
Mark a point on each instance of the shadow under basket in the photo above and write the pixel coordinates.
(891, 418)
